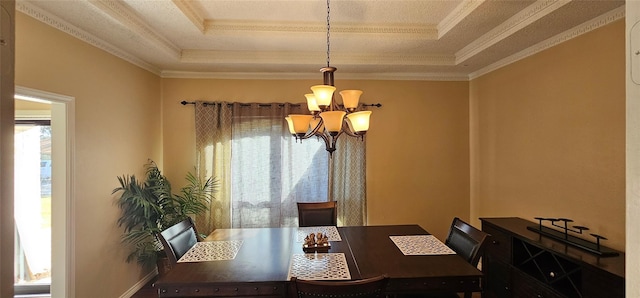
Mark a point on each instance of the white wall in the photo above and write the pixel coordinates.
(633, 148)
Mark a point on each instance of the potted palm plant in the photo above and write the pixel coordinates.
(149, 207)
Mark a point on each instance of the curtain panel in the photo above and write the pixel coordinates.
(264, 171)
(213, 151)
(348, 176)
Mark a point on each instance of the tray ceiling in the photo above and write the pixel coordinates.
(395, 39)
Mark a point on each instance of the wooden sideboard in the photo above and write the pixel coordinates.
(521, 263)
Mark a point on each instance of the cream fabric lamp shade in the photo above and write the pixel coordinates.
(323, 94)
(350, 98)
(333, 120)
(359, 121)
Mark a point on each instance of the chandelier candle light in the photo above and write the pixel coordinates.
(327, 119)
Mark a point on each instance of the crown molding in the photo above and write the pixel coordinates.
(176, 74)
(314, 76)
(457, 15)
(312, 58)
(217, 26)
(123, 14)
(55, 22)
(191, 13)
(522, 19)
(583, 28)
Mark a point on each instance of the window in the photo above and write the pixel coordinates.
(264, 171)
(279, 171)
(32, 265)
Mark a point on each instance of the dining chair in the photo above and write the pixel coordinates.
(468, 242)
(317, 214)
(178, 239)
(362, 288)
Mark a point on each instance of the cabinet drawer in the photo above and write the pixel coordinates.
(523, 286)
(499, 246)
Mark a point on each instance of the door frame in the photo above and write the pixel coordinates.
(62, 219)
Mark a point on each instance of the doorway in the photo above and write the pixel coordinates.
(47, 166)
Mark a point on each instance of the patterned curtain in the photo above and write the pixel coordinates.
(213, 156)
(349, 180)
(264, 171)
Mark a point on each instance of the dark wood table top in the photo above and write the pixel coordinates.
(376, 254)
(265, 255)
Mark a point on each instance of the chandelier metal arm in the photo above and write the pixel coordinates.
(329, 140)
(313, 132)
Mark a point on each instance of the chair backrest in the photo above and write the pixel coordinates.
(369, 287)
(317, 214)
(466, 241)
(178, 239)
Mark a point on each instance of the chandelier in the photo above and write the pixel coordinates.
(328, 120)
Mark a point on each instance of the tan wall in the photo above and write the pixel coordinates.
(117, 124)
(548, 135)
(417, 146)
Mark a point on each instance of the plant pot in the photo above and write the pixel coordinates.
(164, 265)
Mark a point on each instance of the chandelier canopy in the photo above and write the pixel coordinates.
(327, 119)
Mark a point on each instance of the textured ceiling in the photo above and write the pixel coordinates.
(374, 39)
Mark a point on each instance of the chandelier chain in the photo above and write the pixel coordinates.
(328, 34)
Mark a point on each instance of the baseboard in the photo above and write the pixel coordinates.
(135, 288)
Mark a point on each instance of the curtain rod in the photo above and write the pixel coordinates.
(184, 103)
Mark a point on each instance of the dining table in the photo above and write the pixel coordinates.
(259, 262)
